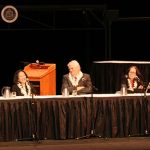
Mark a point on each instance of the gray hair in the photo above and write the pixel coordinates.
(74, 62)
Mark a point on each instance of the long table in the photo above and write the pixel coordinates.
(59, 117)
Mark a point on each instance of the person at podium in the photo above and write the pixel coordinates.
(76, 81)
(21, 84)
(133, 80)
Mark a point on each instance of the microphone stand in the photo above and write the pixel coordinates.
(33, 118)
(145, 101)
(92, 132)
(33, 106)
(35, 136)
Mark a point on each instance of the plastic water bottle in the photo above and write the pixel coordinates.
(123, 89)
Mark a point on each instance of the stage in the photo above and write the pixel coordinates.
(130, 143)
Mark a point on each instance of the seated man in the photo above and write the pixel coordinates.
(76, 79)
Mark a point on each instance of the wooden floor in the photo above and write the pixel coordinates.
(131, 143)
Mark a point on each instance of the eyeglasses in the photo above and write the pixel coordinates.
(132, 72)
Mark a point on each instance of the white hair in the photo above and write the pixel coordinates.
(74, 62)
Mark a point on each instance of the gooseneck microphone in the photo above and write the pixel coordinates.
(31, 90)
(28, 80)
(146, 89)
(138, 79)
(94, 89)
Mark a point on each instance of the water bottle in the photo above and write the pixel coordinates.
(123, 89)
(65, 92)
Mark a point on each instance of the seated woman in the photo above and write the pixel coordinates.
(21, 85)
(133, 80)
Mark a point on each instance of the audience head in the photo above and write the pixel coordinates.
(74, 67)
(20, 76)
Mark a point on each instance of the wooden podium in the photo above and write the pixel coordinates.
(43, 77)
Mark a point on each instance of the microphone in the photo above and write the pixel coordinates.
(137, 78)
(31, 88)
(27, 80)
(94, 89)
(146, 89)
(39, 63)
